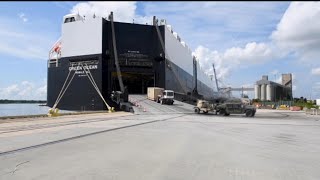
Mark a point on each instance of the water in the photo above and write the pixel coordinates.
(24, 109)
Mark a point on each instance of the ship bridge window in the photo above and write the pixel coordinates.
(70, 19)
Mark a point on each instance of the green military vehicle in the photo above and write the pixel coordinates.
(235, 106)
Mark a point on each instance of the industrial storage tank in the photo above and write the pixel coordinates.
(269, 92)
(263, 92)
(257, 91)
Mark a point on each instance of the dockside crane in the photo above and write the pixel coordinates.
(227, 91)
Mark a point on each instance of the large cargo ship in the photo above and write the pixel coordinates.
(143, 62)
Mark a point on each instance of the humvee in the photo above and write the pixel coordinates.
(235, 106)
(205, 107)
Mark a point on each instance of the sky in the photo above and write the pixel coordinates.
(244, 40)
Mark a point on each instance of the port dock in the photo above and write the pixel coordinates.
(161, 141)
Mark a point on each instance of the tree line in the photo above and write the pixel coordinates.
(6, 101)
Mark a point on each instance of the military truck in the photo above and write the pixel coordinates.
(235, 106)
(204, 106)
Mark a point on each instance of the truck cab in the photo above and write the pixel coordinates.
(166, 97)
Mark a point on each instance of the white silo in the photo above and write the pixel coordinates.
(257, 90)
(269, 92)
(263, 92)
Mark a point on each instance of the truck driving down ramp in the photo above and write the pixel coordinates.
(160, 95)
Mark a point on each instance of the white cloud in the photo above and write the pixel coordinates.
(206, 57)
(274, 72)
(235, 57)
(247, 85)
(42, 92)
(24, 90)
(213, 24)
(122, 11)
(316, 86)
(22, 16)
(299, 30)
(252, 53)
(23, 52)
(294, 87)
(22, 43)
(9, 91)
(316, 90)
(62, 5)
(315, 71)
(279, 80)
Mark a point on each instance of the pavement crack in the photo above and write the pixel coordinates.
(16, 168)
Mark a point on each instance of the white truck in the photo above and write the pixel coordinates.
(160, 95)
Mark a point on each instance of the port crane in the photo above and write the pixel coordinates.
(226, 91)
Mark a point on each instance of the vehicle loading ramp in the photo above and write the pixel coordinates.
(142, 105)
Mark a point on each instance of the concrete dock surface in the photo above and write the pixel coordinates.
(162, 142)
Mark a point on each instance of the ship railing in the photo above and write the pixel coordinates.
(55, 53)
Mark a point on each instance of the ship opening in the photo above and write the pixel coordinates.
(136, 83)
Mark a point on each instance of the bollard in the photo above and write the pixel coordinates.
(53, 112)
(111, 110)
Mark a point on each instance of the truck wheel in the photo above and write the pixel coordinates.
(222, 112)
(205, 112)
(226, 114)
(249, 113)
(197, 110)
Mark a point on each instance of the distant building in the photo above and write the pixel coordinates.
(266, 90)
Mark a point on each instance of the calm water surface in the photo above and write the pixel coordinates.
(23, 109)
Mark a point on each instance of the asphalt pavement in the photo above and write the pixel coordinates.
(163, 142)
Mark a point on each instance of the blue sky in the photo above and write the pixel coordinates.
(244, 39)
